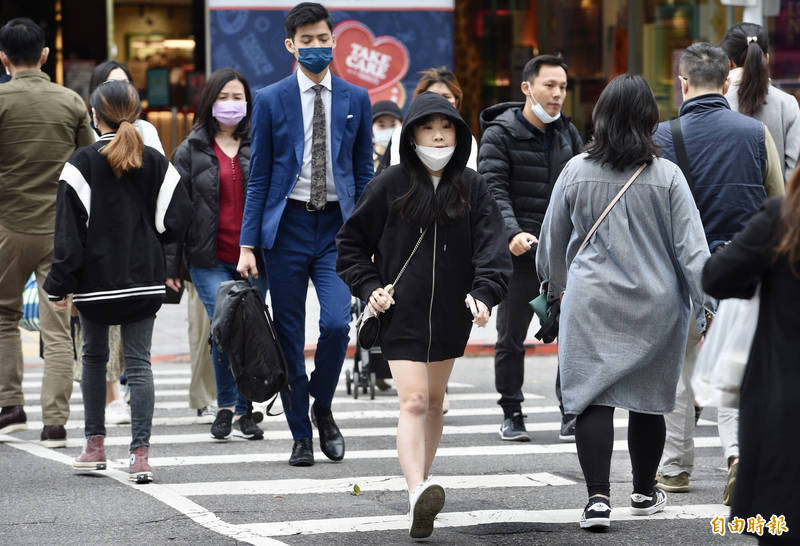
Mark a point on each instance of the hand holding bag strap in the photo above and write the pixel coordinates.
(611, 206)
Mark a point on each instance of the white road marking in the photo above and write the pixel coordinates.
(365, 483)
(366, 432)
(188, 508)
(179, 377)
(341, 399)
(477, 517)
(471, 451)
(77, 424)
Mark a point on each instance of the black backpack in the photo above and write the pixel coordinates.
(242, 328)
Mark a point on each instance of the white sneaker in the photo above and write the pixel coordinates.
(118, 413)
(445, 404)
(425, 502)
(206, 415)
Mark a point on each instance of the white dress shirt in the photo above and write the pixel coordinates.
(302, 190)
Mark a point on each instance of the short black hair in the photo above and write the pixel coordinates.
(204, 118)
(22, 41)
(704, 65)
(306, 13)
(533, 66)
(624, 118)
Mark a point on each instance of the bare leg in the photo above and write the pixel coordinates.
(411, 380)
(111, 392)
(438, 374)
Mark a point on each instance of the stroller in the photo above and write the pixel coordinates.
(368, 364)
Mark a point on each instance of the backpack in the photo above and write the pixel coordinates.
(242, 328)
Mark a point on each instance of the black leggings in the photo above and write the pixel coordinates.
(594, 436)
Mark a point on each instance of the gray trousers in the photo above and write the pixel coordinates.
(137, 337)
(679, 444)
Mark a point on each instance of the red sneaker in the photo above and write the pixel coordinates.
(93, 456)
(139, 470)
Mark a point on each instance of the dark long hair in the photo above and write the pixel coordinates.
(789, 244)
(422, 205)
(751, 55)
(101, 72)
(204, 118)
(117, 105)
(624, 118)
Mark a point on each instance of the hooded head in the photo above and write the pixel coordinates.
(423, 204)
(424, 106)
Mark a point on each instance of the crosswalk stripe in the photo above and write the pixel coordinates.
(369, 432)
(339, 415)
(160, 371)
(75, 424)
(188, 508)
(471, 451)
(467, 519)
(365, 483)
(385, 399)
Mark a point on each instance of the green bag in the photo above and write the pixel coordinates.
(539, 306)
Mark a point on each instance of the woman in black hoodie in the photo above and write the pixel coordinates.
(459, 272)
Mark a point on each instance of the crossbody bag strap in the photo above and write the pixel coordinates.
(611, 206)
(413, 251)
(680, 149)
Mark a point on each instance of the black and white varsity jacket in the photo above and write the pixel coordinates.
(110, 232)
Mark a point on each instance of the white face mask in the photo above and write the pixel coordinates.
(383, 136)
(540, 113)
(435, 158)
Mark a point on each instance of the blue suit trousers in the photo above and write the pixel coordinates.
(305, 249)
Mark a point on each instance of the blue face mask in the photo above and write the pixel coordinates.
(315, 59)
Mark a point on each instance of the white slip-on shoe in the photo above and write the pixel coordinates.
(426, 501)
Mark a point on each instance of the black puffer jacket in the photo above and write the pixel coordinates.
(469, 255)
(199, 167)
(521, 166)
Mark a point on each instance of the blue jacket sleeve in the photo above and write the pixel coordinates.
(363, 167)
(260, 172)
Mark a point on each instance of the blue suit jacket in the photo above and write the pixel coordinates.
(277, 153)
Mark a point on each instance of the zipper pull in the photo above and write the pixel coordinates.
(444, 248)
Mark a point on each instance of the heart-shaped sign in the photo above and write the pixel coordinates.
(362, 59)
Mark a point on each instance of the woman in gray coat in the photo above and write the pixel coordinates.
(625, 297)
(751, 93)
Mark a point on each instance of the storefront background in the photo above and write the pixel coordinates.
(600, 39)
(381, 45)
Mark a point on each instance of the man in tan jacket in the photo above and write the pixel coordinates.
(41, 124)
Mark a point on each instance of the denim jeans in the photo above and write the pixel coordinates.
(206, 281)
(137, 338)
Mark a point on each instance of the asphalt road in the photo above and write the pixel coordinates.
(209, 492)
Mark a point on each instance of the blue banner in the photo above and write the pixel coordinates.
(382, 50)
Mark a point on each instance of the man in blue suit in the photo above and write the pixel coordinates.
(311, 158)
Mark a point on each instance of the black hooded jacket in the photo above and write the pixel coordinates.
(521, 166)
(429, 321)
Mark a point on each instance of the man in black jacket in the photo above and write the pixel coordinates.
(523, 149)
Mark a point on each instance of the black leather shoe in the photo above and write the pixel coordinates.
(302, 453)
(330, 439)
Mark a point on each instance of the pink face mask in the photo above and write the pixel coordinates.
(229, 112)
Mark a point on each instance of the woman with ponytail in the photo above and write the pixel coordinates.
(767, 254)
(118, 203)
(751, 94)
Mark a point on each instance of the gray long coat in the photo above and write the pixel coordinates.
(625, 312)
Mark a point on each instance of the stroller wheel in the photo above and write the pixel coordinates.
(372, 386)
(348, 381)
